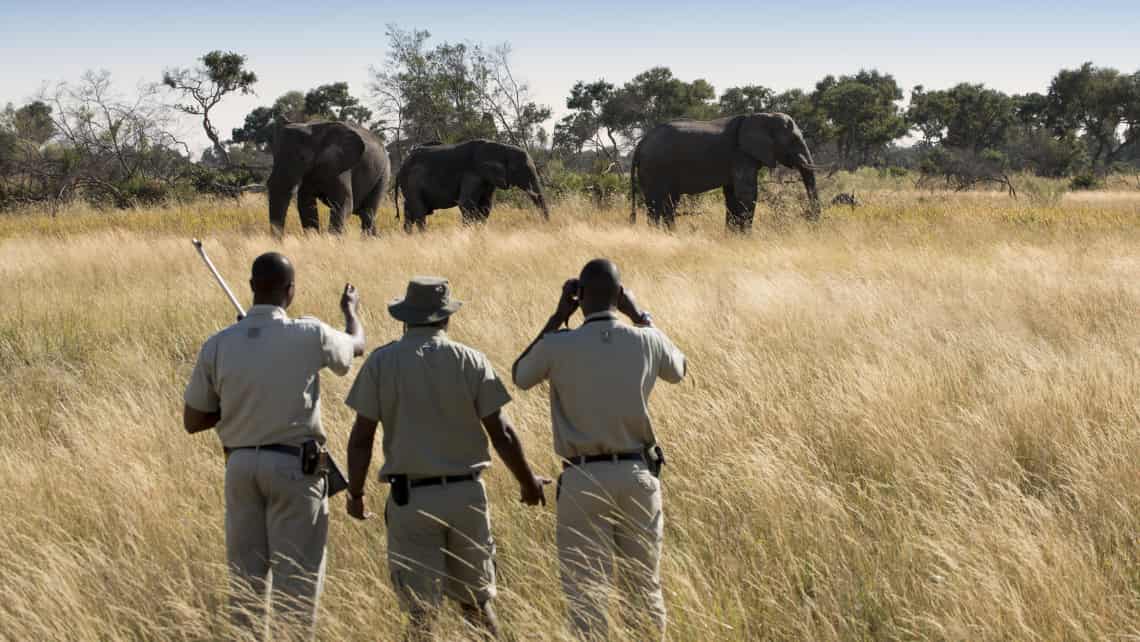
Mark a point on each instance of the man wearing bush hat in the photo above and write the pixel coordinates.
(438, 400)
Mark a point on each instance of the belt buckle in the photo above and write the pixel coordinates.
(614, 457)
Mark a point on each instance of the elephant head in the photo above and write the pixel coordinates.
(506, 166)
(774, 139)
(315, 149)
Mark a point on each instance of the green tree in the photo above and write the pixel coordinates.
(1100, 103)
(219, 74)
(31, 122)
(748, 99)
(655, 96)
(862, 112)
(584, 127)
(333, 102)
(967, 116)
(452, 92)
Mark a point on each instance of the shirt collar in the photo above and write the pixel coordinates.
(423, 331)
(271, 311)
(604, 314)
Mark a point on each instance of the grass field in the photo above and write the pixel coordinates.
(917, 419)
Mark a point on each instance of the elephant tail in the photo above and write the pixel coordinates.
(633, 185)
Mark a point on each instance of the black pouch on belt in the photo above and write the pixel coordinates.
(655, 459)
(310, 456)
(401, 489)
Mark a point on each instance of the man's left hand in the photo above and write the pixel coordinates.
(532, 493)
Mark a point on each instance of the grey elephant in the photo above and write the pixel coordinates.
(693, 156)
(437, 176)
(342, 165)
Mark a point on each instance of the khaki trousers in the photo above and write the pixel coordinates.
(277, 521)
(440, 544)
(610, 512)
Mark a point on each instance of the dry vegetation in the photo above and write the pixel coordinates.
(919, 419)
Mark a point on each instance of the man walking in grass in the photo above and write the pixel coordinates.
(258, 383)
(439, 400)
(609, 497)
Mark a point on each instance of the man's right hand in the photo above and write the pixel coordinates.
(568, 302)
(349, 300)
(355, 506)
(532, 493)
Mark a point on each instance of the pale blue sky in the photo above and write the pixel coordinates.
(1013, 46)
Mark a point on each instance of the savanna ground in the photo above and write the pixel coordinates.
(917, 419)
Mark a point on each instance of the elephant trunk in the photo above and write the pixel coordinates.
(540, 203)
(807, 173)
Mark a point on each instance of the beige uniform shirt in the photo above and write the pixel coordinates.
(601, 375)
(263, 372)
(431, 394)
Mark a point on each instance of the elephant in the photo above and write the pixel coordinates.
(344, 166)
(437, 176)
(693, 156)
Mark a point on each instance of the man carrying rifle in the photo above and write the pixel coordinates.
(258, 383)
(609, 494)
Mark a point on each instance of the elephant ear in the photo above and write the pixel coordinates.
(757, 139)
(340, 150)
(493, 172)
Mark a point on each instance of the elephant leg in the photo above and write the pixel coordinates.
(486, 201)
(742, 208)
(668, 212)
(367, 211)
(655, 205)
(339, 199)
(307, 206)
(280, 188)
(415, 213)
(470, 193)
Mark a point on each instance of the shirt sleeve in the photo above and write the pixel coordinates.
(533, 367)
(671, 363)
(490, 393)
(364, 397)
(201, 394)
(336, 350)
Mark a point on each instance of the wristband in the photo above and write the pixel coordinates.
(644, 320)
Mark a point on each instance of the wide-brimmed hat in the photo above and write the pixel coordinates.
(428, 300)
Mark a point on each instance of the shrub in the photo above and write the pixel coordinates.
(1085, 180)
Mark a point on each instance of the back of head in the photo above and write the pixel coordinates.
(271, 279)
(601, 286)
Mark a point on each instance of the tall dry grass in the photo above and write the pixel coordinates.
(918, 419)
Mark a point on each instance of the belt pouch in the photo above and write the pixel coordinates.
(401, 489)
(310, 456)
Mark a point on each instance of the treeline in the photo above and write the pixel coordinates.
(84, 139)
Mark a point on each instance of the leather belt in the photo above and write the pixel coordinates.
(437, 481)
(276, 448)
(591, 459)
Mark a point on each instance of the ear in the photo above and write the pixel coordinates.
(493, 172)
(338, 151)
(757, 139)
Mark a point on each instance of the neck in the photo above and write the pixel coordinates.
(269, 300)
(588, 310)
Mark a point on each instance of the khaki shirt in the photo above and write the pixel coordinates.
(601, 375)
(263, 372)
(431, 394)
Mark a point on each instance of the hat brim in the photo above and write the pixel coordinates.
(401, 311)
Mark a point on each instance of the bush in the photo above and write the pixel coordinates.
(1042, 191)
(1085, 180)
